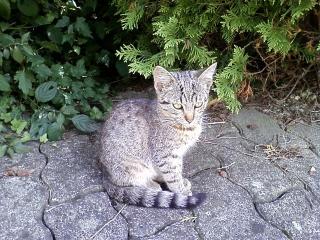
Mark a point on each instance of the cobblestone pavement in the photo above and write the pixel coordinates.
(262, 181)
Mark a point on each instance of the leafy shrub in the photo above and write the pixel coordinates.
(250, 39)
(55, 58)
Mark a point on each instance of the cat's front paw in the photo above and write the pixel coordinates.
(188, 193)
(186, 189)
(181, 188)
(187, 184)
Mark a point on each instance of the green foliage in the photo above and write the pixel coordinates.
(299, 8)
(132, 16)
(4, 84)
(53, 59)
(83, 123)
(5, 12)
(228, 81)
(46, 91)
(57, 57)
(275, 37)
(193, 34)
(175, 33)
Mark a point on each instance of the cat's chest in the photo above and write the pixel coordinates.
(185, 140)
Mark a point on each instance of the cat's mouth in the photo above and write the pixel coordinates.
(183, 127)
(184, 124)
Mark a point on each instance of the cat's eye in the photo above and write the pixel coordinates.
(198, 104)
(177, 105)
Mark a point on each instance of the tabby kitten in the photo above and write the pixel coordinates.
(143, 141)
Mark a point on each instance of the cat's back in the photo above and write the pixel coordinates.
(129, 121)
(132, 108)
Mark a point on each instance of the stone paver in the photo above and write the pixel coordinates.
(229, 212)
(255, 171)
(21, 205)
(84, 217)
(201, 158)
(307, 141)
(28, 164)
(301, 166)
(296, 213)
(177, 231)
(309, 132)
(246, 166)
(144, 222)
(71, 169)
(256, 126)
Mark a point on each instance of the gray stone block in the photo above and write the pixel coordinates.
(71, 167)
(309, 132)
(28, 164)
(301, 164)
(147, 221)
(228, 212)
(246, 165)
(256, 126)
(177, 231)
(200, 157)
(296, 213)
(83, 218)
(21, 205)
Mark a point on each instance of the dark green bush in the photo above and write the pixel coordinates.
(55, 58)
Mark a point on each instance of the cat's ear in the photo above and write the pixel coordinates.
(162, 79)
(206, 77)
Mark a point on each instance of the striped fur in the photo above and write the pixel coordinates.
(146, 197)
(143, 141)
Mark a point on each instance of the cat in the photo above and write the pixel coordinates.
(143, 141)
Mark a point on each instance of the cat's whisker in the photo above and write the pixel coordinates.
(215, 123)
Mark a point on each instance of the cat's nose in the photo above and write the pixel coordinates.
(189, 116)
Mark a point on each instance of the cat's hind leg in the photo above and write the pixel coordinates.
(135, 173)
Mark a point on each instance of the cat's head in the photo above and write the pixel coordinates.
(183, 96)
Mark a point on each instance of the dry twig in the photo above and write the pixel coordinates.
(111, 220)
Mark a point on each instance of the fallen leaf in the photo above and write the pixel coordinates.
(252, 126)
(312, 171)
(16, 172)
(223, 173)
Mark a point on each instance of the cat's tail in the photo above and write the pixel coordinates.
(146, 197)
